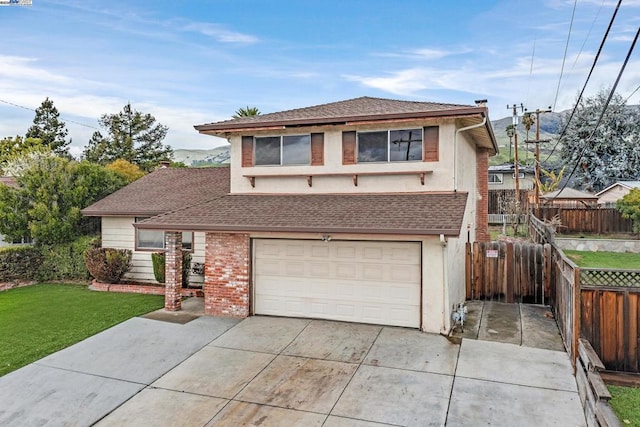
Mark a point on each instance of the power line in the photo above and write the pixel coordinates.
(65, 119)
(533, 52)
(588, 34)
(631, 94)
(564, 58)
(584, 87)
(604, 109)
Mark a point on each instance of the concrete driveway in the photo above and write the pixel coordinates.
(271, 371)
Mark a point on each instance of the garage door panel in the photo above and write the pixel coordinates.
(340, 280)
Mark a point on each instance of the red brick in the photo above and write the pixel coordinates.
(226, 280)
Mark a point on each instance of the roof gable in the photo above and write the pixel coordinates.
(163, 190)
(356, 111)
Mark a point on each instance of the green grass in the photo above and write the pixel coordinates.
(621, 260)
(41, 319)
(626, 404)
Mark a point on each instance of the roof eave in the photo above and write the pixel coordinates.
(451, 232)
(220, 129)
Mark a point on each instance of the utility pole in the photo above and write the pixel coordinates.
(516, 165)
(537, 142)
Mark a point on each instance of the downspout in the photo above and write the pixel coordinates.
(445, 285)
(455, 148)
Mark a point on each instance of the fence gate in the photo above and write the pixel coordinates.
(508, 272)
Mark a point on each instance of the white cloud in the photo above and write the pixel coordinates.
(220, 33)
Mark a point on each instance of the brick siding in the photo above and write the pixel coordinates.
(173, 271)
(226, 275)
(482, 198)
(141, 289)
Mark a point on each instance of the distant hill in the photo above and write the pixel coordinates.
(549, 129)
(203, 158)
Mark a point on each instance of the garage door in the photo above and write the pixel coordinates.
(368, 282)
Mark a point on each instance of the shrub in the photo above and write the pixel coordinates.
(107, 264)
(19, 263)
(65, 261)
(157, 259)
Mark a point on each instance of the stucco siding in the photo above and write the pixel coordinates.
(440, 179)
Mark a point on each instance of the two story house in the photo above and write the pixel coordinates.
(356, 210)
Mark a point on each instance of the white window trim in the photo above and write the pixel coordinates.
(497, 175)
(163, 248)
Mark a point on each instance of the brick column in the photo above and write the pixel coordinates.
(226, 275)
(482, 197)
(173, 271)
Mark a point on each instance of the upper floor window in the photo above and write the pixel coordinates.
(495, 178)
(390, 146)
(520, 175)
(283, 150)
(154, 239)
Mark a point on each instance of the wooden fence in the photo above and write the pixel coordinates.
(586, 220)
(599, 305)
(565, 299)
(610, 320)
(508, 271)
(495, 195)
(592, 390)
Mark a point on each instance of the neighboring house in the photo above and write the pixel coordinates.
(610, 195)
(503, 177)
(161, 191)
(356, 210)
(569, 197)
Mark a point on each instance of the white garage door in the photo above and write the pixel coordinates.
(368, 282)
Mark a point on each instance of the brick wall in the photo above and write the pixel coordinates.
(226, 275)
(129, 288)
(173, 271)
(482, 197)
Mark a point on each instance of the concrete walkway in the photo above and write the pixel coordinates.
(272, 371)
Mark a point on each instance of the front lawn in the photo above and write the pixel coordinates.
(626, 404)
(623, 260)
(41, 319)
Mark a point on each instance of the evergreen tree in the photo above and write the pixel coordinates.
(48, 127)
(132, 136)
(51, 192)
(613, 152)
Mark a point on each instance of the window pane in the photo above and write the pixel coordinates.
(405, 145)
(187, 240)
(151, 239)
(268, 151)
(296, 150)
(372, 147)
(495, 178)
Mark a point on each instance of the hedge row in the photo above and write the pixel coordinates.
(47, 262)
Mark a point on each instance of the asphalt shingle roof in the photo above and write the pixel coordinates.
(404, 213)
(162, 191)
(363, 107)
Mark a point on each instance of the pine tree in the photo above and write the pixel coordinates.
(132, 136)
(48, 127)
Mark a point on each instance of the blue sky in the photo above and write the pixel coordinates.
(193, 62)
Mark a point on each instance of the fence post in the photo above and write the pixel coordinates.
(546, 273)
(576, 316)
(468, 270)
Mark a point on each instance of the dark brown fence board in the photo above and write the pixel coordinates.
(586, 220)
(515, 275)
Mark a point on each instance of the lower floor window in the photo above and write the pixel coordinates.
(154, 239)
